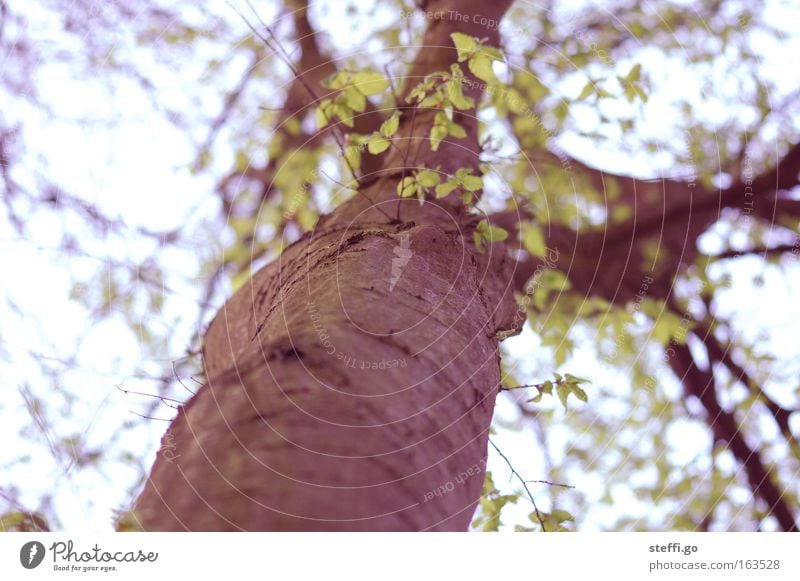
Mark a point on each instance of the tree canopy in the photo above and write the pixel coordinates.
(638, 164)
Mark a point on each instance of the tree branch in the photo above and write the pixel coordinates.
(700, 383)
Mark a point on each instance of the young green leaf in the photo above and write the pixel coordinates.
(428, 178)
(485, 232)
(344, 113)
(407, 187)
(481, 67)
(323, 114)
(588, 89)
(377, 144)
(369, 82)
(634, 75)
(579, 393)
(496, 234)
(533, 241)
(575, 380)
(352, 154)
(354, 99)
(391, 125)
(337, 80)
(562, 390)
(438, 133)
(455, 93)
(456, 130)
(470, 182)
(465, 45)
(561, 516)
(444, 189)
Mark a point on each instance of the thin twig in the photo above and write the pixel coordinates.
(175, 371)
(150, 417)
(536, 385)
(524, 484)
(164, 399)
(549, 483)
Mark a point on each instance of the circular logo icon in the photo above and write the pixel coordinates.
(31, 554)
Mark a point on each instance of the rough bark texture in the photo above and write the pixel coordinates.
(352, 382)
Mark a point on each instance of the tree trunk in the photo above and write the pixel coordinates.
(351, 382)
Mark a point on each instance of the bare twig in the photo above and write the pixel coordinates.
(549, 483)
(164, 399)
(150, 417)
(175, 371)
(524, 484)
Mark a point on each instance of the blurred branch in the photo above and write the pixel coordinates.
(722, 353)
(762, 251)
(700, 384)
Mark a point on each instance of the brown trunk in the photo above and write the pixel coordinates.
(351, 382)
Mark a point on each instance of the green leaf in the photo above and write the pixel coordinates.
(496, 234)
(322, 113)
(455, 130)
(455, 95)
(352, 154)
(438, 133)
(635, 74)
(421, 90)
(407, 187)
(514, 100)
(562, 390)
(575, 380)
(579, 393)
(370, 82)
(391, 125)
(490, 52)
(420, 194)
(428, 178)
(533, 241)
(472, 183)
(588, 89)
(354, 99)
(337, 80)
(377, 144)
(432, 101)
(602, 93)
(485, 232)
(561, 516)
(478, 240)
(344, 113)
(481, 67)
(444, 189)
(242, 161)
(561, 111)
(465, 45)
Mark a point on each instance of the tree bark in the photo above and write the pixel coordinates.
(351, 382)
